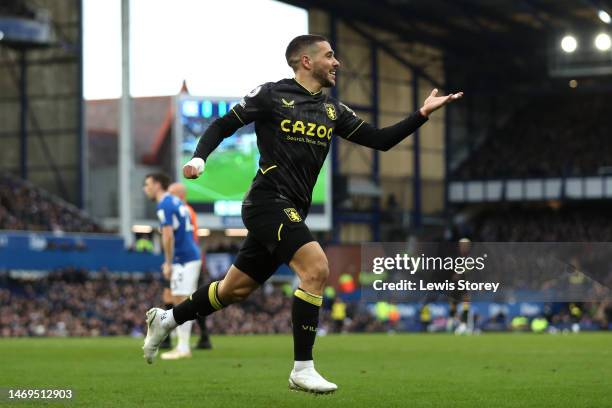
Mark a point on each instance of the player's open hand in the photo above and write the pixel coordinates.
(193, 168)
(434, 102)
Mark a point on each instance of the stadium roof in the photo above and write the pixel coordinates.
(508, 35)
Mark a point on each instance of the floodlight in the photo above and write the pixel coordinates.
(569, 44)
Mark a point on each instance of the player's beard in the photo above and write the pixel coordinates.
(322, 75)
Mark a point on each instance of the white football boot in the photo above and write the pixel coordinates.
(156, 333)
(175, 354)
(309, 380)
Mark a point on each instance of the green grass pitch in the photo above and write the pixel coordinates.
(372, 370)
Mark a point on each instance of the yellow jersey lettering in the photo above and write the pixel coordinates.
(321, 131)
(298, 126)
(308, 128)
(311, 128)
(282, 125)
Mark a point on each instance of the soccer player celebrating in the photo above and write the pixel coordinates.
(294, 122)
(182, 263)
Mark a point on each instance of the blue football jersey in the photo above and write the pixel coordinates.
(171, 211)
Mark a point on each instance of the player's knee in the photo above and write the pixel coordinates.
(317, 273)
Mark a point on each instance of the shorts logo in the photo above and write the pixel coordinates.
(330, 110)
(288, 104)
(293, 215)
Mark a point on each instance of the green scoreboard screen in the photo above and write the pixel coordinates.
(217, 194)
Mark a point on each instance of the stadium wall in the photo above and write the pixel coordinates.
(394, 83)
(46, 251)
(54, 103)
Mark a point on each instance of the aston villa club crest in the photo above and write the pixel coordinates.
(293, 215)
(331, 111)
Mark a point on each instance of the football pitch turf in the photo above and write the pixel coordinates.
(372, 370)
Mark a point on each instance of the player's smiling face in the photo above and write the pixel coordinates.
(325, 65)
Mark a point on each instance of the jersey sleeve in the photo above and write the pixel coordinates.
(255, 105)
(365, 134)
(252, 107)
(164, 214)
(348, 121)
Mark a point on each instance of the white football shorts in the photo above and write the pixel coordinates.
(185, 277)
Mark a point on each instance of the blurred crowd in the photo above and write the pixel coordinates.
(554, 317)
(26, 207)
(549, 137)
(70, 303)
(74, 302)
(584, 224)
(268, 312)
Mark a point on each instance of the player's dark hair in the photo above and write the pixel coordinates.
(161, 178)
(298, 44)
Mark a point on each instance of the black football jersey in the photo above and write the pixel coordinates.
(294, 130)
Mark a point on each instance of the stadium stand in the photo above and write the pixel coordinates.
(541, 224)
(24, 206)
(73, 302)
(549, 137)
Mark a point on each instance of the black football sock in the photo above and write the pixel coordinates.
(305, 319)
(168, 306)
(203, 302)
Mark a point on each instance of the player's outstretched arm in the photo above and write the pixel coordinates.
(385, 138)
(212, 137)
(434, 102)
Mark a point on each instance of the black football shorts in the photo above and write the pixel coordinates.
(276, 231)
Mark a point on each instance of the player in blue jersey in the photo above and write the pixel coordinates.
(182, 260)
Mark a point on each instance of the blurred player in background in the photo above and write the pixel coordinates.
(294, 123)
(182, 262)
(179, 190)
